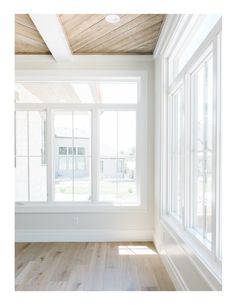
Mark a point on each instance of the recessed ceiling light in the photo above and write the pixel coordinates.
(112, 18)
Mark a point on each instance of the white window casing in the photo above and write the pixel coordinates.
(140, 108)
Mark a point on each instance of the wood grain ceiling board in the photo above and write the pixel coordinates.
(91, 34)
(27, 38)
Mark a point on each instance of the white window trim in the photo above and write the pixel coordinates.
(141, 139)
(173, 29)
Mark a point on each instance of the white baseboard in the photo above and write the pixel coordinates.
(82, 235)
(173, 272)
(181, 279)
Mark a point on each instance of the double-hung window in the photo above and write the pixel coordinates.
(78, 142)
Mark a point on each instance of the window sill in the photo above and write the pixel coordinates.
(198, 252)
(72, 207)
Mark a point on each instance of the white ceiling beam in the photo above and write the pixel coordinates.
(50, 28)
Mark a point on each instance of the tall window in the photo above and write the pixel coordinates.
(193, 135)
(86, 151)
(176, 142)
(202, 167)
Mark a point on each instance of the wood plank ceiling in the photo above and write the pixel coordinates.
(27, 38)
(92, 34)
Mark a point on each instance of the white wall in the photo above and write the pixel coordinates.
(111, 225)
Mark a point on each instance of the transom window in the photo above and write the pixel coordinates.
(82, 92)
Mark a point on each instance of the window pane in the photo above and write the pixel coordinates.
(63, 165)
(127, 136)
(119, 93)
(82, 133)
(73, 173)
(36, 131)
(21, 133)
(193, 41)
(108, 133)
(126, 185)
(107, 91)
(30, 142)
(177, 153)
(21, 179)
(117, 156)
(82, 179)
(38, 179)
(202, 143)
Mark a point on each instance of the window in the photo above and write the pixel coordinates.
(191, 167)
(118, 154)
(91, 144)
(78, 92)
(73, 182)
(202, 147)
(192, 36)
(30, 158)
(176, 142)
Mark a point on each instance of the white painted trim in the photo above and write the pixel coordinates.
(142, 133)
(82, 235)
(52, 32)
(209, 271)
(76, 75)
(180, 282)
(72, 207)
(170, 26)
(88, 59)
(173, 272)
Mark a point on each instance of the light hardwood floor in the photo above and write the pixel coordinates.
(90, 266)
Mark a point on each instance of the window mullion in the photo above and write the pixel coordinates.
(205, 148)
(187, 151)
(117, 148)
(73, 158)
(95, 155)
(28, 159)
(215, 161)
(49, 143)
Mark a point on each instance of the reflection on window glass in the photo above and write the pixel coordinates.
(117, 156)
(107, 92)
(72, 173)
(202, 157)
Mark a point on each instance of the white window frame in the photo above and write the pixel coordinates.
(210, 258)
(141, 138)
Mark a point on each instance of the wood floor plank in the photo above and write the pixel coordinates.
(118, 266)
